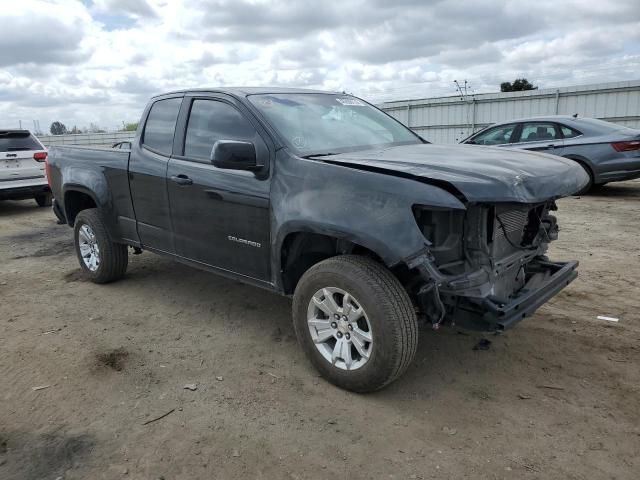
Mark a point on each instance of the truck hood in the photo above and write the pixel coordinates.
(476, 173)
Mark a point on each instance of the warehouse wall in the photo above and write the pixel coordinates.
(450, 119)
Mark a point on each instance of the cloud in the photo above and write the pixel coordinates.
(43, 33)
(98, 61)
(257, 22)
(134, 8)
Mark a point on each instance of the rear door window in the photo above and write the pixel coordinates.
(161, 125)
(17, 141)
(496, 136)
(568, 132)
(539, 132)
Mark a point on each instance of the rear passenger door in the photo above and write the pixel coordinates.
(220, 217)
(541, 137)
(148, 164)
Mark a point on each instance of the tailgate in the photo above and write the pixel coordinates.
(19, 166)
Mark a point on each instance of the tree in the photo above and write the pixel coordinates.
(94, 128)
(75, 130)
(130, 127)
(58, 128)
(518, 85)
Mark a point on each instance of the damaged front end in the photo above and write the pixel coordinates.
(485, 267)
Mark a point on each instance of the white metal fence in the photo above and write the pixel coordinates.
(450, 119)
(87, 139)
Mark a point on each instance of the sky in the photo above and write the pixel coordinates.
(99, 61)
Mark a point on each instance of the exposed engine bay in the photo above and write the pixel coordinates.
(482, 262)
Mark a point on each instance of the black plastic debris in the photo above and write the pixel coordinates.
(483, 344)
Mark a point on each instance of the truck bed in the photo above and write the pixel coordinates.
(103, 174)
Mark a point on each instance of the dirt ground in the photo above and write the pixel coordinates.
(556, 397)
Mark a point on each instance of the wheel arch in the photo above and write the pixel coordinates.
(584, 162)
(75, 199)
(300, 249)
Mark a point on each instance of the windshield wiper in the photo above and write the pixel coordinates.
(320, 155)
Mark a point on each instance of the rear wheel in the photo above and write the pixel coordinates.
(102, 260)
(355, 322)
(44, 199)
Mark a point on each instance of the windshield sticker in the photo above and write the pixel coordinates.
(299, 142)
(266, 102)
(352, 102)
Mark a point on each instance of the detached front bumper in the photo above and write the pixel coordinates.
(473, 307)
(554, 277)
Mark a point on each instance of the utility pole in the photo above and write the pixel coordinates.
(462, 91)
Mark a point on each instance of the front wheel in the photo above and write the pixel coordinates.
(101, 259)
(355, 322)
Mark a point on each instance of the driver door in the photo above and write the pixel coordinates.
(500, 136)
(220, 217)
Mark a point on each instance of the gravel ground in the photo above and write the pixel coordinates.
(556, 397)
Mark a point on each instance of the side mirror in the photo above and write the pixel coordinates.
(234, 155)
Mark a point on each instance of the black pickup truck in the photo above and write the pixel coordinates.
(323, 197)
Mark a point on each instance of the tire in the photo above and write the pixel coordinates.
(112, 257)
(388, 312)
(44, 199)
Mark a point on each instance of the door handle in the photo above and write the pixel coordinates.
(181, 180)
(551, 145)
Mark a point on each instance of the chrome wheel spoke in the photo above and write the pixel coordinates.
(338, 350)
(361, 335)
(346, 304)
(329, 301)
(323, 305)
(364, 353)
(355, 314)
(323, 330)
(83, 236)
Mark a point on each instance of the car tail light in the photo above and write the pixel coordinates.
(40, 156)
(626, 146)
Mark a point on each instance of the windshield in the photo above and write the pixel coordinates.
(317, 123)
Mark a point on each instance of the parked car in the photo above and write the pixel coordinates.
(22, 167)
(607, 152)
(327, 199)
